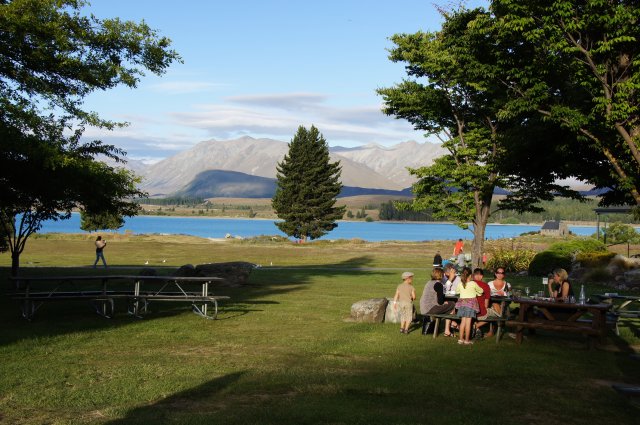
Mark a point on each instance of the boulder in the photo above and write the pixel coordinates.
(391, 316)
(188, 270)
(234, 273)
(369, 311)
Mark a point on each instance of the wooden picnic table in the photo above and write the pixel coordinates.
(499, 321)
(587, 319)
(101, 291)
(620, 306)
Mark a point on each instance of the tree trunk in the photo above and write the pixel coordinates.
(15, 263)
(483, 212)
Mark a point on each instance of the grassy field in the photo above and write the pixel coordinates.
(282, 351)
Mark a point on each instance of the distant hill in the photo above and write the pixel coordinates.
(209, 167)
(371, 166)
(233, 184)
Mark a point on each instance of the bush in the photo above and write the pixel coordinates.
(515, 260)
(546, 261)
(561, 255)
(594, 258)
(597, 275)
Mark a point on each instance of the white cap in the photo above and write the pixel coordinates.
(406, 275)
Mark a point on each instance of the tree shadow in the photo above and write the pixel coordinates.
(186, 401)
(63, 317)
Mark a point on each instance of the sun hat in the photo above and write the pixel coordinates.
(406, 275)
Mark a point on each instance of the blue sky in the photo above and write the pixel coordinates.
(262, 68)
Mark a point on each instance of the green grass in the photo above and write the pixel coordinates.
(281, 351)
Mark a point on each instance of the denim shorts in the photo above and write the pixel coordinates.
(466, 312)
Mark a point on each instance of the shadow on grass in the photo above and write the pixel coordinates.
(193, 401)
(63, 317)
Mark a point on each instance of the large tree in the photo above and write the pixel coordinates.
(52, 56)
(100, 221)
(582, 71)
(452, 93)
(308, 184)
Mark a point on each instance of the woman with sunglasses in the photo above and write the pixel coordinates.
(499, 288)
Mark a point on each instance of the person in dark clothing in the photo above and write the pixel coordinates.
(432, 302)
(437, 260)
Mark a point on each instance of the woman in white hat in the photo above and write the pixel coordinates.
(403, 301)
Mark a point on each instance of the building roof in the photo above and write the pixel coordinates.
(551, 225)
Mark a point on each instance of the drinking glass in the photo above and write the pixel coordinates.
(526, 291)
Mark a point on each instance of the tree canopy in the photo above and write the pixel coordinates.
(453, 93)
(52, 57)
(581, 69)
(308, 184)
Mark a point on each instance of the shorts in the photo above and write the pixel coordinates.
(491, 313)
(466, 312)
(405, 311)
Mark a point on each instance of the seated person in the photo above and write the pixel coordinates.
(453, 280)
(499, 288)
(560, 288)
(484, 303)
(432, 302)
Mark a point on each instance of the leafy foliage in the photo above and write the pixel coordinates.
(307, 187)
(453, 93)
(562, 254)
(51, 58)
(513, 260)
(621, 233)
(100, 221)
(577, 63)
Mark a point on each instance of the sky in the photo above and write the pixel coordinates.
(261, 68)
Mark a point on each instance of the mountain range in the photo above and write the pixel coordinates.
(246, 168)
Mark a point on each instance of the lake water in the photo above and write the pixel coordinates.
(374, 231)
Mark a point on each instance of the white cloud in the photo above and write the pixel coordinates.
(279, 116)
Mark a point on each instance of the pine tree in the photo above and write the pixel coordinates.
(307, 187)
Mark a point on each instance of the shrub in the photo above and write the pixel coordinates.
(561, 254)
(515, 260)
(597, 275)
(544, 262)
(594, 258)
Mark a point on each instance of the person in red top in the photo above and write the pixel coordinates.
(457, 249)
(483, 300)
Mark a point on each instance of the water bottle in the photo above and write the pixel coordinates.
(583, 296)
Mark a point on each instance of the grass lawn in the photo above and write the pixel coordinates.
(281, 351)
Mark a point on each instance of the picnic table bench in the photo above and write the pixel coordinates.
(586, 319)
(33, 292)
(499, 321)
(620, 306)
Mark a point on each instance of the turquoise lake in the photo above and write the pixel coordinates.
(374, 231)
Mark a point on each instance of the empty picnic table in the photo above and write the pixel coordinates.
(102, 291)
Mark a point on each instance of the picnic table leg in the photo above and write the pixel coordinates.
(435, 327)
(522, 315)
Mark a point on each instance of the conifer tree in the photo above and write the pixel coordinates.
(307, 187)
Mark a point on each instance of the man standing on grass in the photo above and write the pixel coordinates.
(457, 249)
(100, 244)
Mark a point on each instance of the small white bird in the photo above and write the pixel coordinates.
(164, 261)
(146, 262)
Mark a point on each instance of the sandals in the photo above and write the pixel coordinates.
(449, 334)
